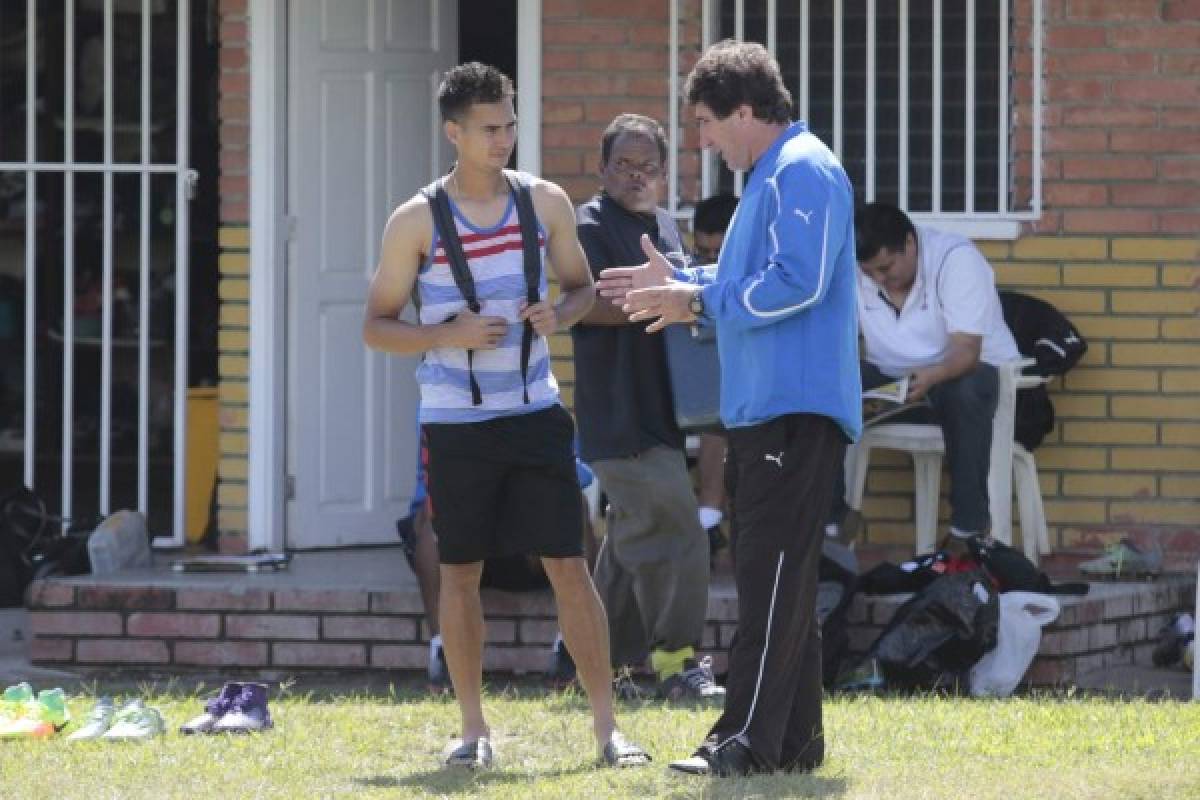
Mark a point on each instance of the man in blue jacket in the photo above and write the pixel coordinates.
(782, 298)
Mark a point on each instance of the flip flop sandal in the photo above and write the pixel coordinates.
(471, 755)
(620, 752)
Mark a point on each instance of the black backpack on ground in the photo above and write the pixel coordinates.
(940, 633)
(1044, 334)
(443, 221)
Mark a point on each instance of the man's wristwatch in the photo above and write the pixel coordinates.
(696, 304)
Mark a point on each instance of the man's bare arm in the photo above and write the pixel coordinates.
(405, 240)
(567, 260)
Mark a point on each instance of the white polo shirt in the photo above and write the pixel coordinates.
(954, 291)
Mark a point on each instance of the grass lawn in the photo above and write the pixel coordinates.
(385, 743)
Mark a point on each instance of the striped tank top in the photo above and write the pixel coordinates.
(496, 258)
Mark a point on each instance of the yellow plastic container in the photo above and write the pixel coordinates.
(202, 453)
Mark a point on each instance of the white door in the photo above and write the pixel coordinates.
(362, 137)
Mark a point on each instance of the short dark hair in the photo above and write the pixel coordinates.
(470, 84)
(731, 74)
(879, 226)
(714, 213)
(636, 124)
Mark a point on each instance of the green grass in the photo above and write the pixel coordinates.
(386, 742)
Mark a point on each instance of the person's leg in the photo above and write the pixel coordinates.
(655, 538)
(778, 514)
(425, 567)
(676, 598)
(461, 618)
(591, 545)
(614, 586)
(710, 468)
(541, 513)
(466, 492)
(804, 737)
(965, 408)
(585, 629)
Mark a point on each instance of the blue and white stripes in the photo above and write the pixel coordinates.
(496, 259)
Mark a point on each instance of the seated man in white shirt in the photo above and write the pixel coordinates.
(928, 309)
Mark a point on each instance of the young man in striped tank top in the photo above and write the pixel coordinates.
(500, 444)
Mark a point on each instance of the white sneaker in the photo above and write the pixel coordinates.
(136, 722)
(97, 723)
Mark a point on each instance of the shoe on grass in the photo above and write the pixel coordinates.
(695, 682)
(469, 755)
(96, 723)
(134, 722)
(733, 759)
(27, 716)
(26, 728)
(1123, 560)
(13, 701)
(620, 753)
(248, 712)
(214, 709)
(51, 706)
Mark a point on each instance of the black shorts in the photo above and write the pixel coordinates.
(506, 487)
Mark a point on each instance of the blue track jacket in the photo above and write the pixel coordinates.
(783, 296)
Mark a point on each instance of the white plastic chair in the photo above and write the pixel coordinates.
(1010, 463)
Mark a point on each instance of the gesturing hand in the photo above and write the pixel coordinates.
(472, 331)
(661, 305)
(616, 282)
(542, 315)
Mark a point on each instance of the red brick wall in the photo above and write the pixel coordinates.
(1121, 114)
(234, 112)
(601, 58)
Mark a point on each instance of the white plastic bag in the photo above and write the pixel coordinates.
(1022, 616)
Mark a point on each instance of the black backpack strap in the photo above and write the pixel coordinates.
(443, 221)
(527, 217)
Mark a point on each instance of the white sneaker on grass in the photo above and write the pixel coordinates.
(97, 722)
(136, 722)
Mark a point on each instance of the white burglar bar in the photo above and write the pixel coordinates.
(68, 168)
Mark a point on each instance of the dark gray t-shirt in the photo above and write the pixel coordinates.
(623, 403)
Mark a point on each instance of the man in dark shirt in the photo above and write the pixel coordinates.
(652, 571)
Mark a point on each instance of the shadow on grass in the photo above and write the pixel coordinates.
(442, 782)
(774, 786)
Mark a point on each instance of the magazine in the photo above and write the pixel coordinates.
(884, 402)
(210, 562)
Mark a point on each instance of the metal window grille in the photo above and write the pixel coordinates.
(63, 146)
(913, 95)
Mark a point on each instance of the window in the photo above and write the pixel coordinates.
(108, 279)
(913, 95)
